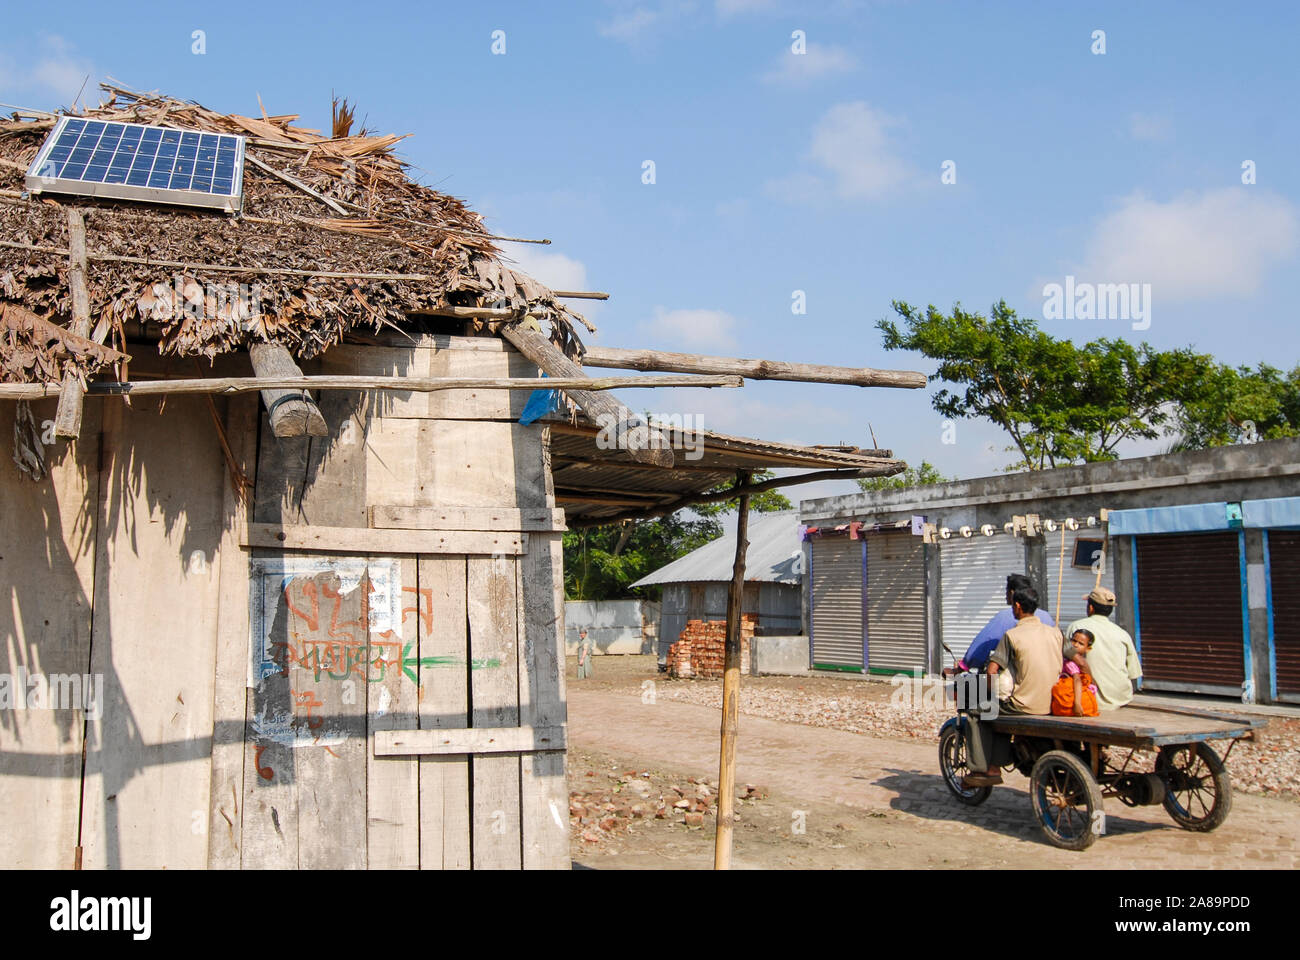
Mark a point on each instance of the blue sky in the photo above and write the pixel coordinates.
(778, 172)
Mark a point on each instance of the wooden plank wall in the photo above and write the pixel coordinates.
(478, 628)
(45, 614)
(244, 685)
(146, 793)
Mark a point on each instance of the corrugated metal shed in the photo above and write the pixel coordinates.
(773, 556)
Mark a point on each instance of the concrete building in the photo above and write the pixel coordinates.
(695, 586)
(1202, 549)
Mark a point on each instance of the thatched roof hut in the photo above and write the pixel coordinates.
(340, 240)
(199, 559)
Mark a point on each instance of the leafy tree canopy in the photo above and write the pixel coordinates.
(1240, 404)
(1060, 403)
(926, 473)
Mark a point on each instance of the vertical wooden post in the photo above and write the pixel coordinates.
(67, 419)
(731, 690)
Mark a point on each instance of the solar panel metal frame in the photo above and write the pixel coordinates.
(51, 179)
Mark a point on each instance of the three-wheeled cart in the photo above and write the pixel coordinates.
(1074, 762)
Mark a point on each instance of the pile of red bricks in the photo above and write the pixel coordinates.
(700, 651)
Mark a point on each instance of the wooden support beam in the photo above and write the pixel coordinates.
(292, 412)
(580, 294)
(471, 740)
(540, 519)
(561, 461)
(297, 384)
(731, 689)
(750, 369)
(470, 313)
(630, 432)
(884, 470)
(367, 540)
(67, 419)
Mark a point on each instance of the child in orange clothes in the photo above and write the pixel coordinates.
(1075, 695)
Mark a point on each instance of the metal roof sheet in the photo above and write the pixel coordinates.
(774, 555)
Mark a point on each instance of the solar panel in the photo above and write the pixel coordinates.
(136, 161)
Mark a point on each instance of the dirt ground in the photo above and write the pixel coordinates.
(835, 775)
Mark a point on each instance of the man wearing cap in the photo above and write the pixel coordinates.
(1113, 659)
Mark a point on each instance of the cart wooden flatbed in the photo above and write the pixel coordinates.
(1071, 768)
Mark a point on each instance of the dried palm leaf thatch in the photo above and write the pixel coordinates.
(342, 206)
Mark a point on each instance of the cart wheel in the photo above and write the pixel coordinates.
(952, 761)
(1067, 800)
(1199, 790)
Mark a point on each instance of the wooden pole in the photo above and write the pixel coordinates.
(212, 385)
(1060, 576)
(629, 432)
(731, 690)
(67, 419)
(292, 412)
(751, 369)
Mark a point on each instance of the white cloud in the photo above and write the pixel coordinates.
(628, 26)
(731, 8)
(1215, 243)
(693, 329)
(855, 155)
(1149, 127)
(47, 74)
(800, 69)
(632, 22)
(556, 271)
(553, 269)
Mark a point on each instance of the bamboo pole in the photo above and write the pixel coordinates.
(580, 294)
(214, 385)
(67, 419)
(750, 369)
(1060, 575)
(731, 689)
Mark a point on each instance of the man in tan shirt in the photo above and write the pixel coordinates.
(1031, 650)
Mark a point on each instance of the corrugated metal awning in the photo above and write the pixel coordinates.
(596, 484)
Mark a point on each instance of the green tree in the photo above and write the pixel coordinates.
(1238, 403)
(600, 563)
(1060, 403)
(923, 475)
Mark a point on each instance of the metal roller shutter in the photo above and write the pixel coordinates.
(837, 636)
(896, 602)
(1077, 582)
(1189, 610)
(974, 585)
(1284, 576)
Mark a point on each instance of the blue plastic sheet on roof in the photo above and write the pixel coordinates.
(540, 403)
(1188, 518)
(1277, 512)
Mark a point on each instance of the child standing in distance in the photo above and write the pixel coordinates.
(1075, 695)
